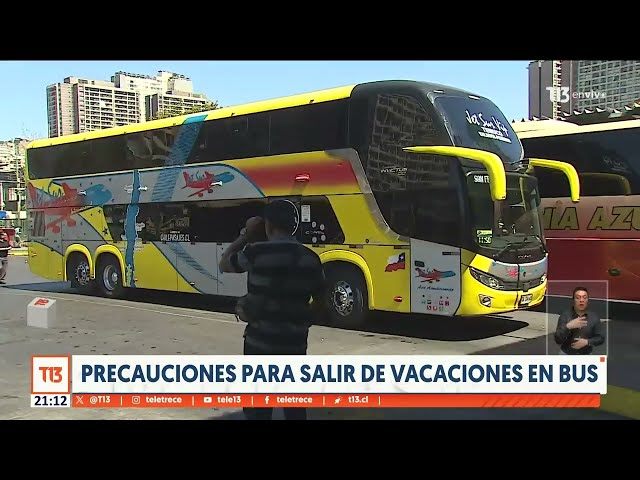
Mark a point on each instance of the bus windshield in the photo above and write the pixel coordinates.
(515, 219)
(479, 124)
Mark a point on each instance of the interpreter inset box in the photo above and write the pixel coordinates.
(578, 319)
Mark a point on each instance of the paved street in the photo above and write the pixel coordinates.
(152, 323)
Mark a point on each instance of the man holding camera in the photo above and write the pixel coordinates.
(283, 277)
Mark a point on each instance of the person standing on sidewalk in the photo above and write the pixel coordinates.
(5, 246)
(283, 277)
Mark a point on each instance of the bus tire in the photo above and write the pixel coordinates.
(109, 276)
(79, 273)
(347, 300)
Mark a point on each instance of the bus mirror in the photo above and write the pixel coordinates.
(493, 164)
(611, 183)
(564, 167)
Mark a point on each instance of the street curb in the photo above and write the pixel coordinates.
(19, 254)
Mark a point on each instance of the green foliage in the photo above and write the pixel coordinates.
(178, 110)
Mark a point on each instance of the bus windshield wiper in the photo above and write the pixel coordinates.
(508, 247)
(520, 244)
(542, 247)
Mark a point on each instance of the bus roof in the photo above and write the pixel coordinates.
(551, 128)
(254, 107)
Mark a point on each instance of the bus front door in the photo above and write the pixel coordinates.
(197, 267)
(230, 284)
(435, 278)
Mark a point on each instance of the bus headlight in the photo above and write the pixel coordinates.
(486, 279)
(543, 278)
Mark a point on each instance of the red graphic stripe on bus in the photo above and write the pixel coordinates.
(327, 174)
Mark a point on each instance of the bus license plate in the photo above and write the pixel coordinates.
(526, 299)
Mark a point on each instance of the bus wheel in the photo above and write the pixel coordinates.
(78, 271)
(347, 300)
(109, 276)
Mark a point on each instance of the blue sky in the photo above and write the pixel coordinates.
(23, 100)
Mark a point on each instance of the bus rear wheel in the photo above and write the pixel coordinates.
(347, 300)
(79, 273)
(109, 277)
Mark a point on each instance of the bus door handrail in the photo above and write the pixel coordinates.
(493, 164)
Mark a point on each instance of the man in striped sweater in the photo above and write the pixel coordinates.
(283, 277)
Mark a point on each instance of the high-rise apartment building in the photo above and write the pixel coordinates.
(61, 109)
(161, 83)
(81, 105)
(7, 162)
(12, 157)
(547, 79)
(12, 153)
(618, 81)
(558, 87)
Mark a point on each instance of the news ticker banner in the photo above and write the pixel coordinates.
(236, 381)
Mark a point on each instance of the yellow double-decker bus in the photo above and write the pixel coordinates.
(416, 197)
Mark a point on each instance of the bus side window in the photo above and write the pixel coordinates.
(318, 222)
(552, 184)
(37, 224)
(174, 224)
(149, 149)
(114, 216)
(605, 162)
(106, 154)
(213, 143)
(139, 149)
(309, 128)
(47, 162)
(244, 136)
(418, 194)
(70, 159)
(157, 222)
(149, 220)
(220, 221)
(609, 163)
(248, 136)
(603, 185)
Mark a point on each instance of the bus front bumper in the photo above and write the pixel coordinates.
(478, 299)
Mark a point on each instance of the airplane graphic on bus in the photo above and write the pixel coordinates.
(433, 275)
(206, 182)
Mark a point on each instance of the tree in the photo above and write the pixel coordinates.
(180, 109)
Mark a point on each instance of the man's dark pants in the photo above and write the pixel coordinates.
(299, 413)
